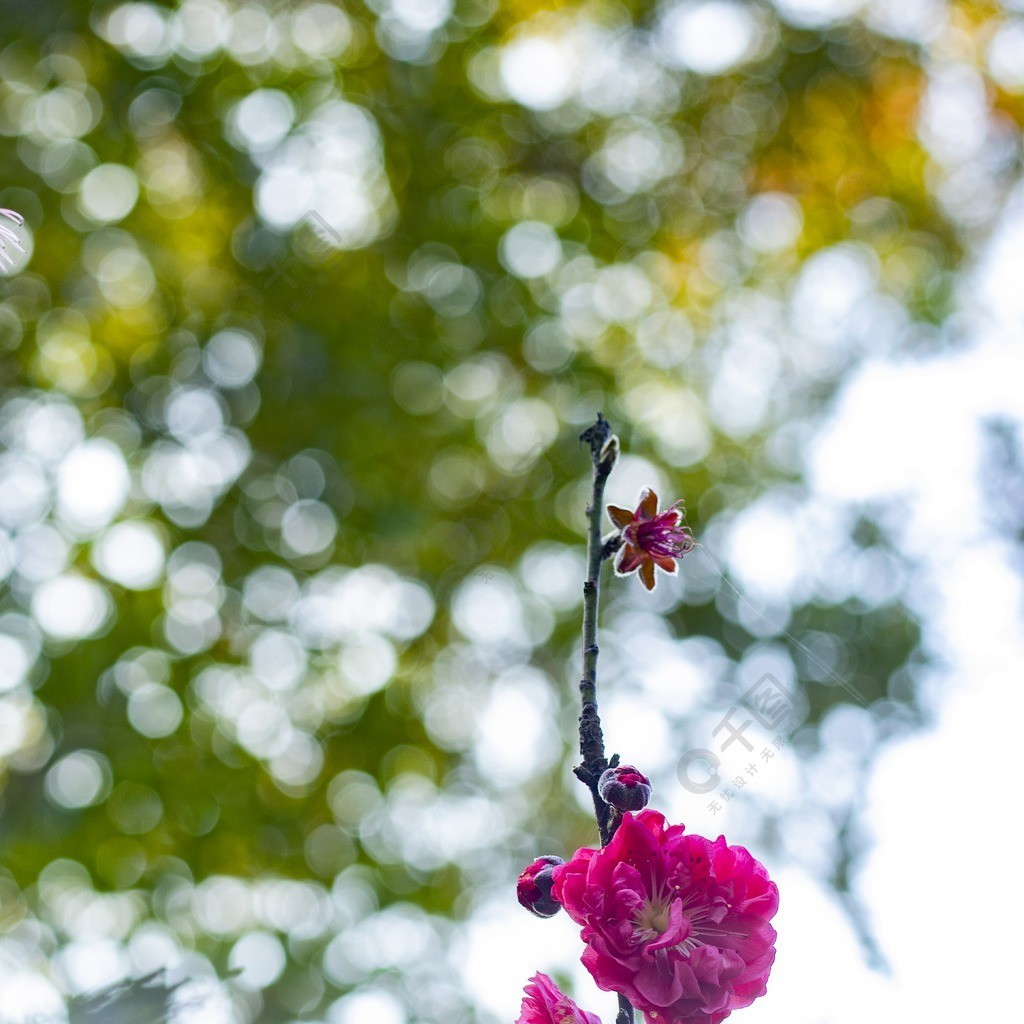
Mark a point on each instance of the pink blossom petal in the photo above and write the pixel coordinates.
(545, 1003)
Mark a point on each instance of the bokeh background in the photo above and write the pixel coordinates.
(316, 301)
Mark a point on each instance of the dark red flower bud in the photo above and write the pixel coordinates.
(625, 788)
(534, 886)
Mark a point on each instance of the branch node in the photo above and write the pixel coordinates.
(611, 546)
(596, 436)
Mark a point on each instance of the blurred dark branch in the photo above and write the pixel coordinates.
(1002, 481)
(145, 1000)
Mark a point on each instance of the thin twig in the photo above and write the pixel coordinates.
(592, 753)
(603, 452)
(625, 1014)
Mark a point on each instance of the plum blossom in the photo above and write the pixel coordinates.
(650, 538)
(544, 1003)
(676, 923)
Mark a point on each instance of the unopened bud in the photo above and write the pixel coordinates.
(625, 788)
(609, 453)
(534, 886)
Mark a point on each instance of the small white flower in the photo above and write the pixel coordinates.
(7, 235)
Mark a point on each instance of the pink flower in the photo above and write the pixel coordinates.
(544, 1003)
(651, 538)
(674, 922)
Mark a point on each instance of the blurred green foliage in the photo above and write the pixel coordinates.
(319, 298)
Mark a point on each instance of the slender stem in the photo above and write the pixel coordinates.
(592, 752)
(603, 452)
(625, 1014)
